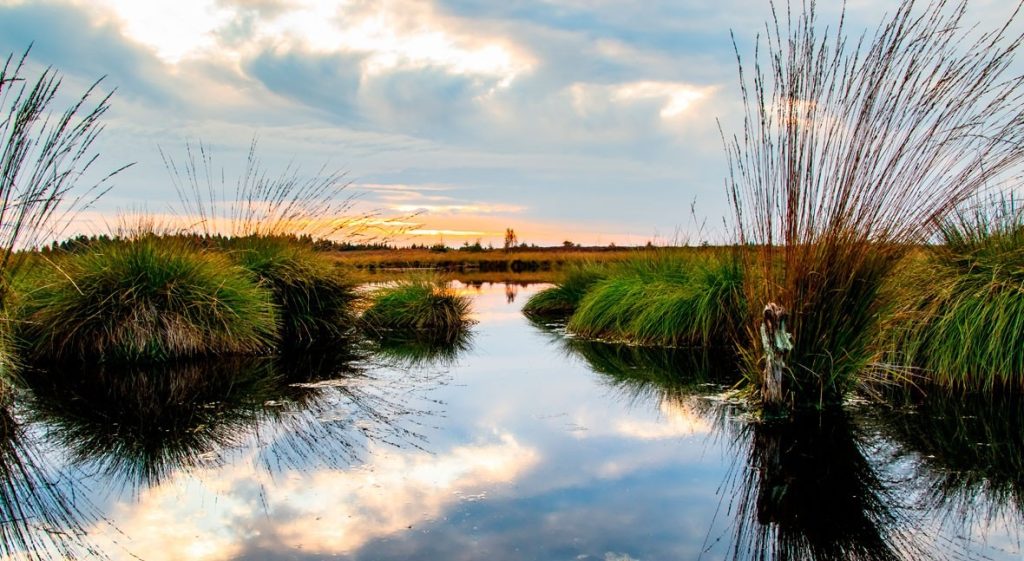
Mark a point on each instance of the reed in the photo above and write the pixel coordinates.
(44, 154)
(145, 299)
(851, 150)
(262, 203)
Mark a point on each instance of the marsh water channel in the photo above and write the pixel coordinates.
(516, 443)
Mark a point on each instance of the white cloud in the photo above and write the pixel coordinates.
(211, 517)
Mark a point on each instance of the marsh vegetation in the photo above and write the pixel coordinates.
(862, 261)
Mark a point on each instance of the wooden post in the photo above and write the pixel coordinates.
(777, 343)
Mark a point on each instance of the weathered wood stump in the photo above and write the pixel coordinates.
(777, 343)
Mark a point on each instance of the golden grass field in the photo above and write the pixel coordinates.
(495, 265)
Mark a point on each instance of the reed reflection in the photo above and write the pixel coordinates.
(41, 517)
(139, 425)
(805, 489)
(968, 456)
(814, 488)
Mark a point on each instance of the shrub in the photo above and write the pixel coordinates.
(146, 299)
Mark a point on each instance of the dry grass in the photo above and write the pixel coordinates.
(534, 265)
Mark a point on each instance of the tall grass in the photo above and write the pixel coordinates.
(145, 299)
(562, 299)
(312, 296)
(424, 307)
(44, 155)
(665, 300)
(851, 149)
(262, 203)
(963, 315)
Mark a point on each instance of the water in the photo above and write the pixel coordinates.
(518, 443)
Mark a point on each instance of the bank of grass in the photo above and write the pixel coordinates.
(425, 307)
(667, 300)
(962, 317)
(143, 299)
(313, 298)
(545, 264)
(562, 299)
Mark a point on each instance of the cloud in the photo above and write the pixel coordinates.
(323, 512)
(562, 116)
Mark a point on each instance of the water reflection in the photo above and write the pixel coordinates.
(564, 450)
(806, 489)
(968, 456)
(137, 425)
(422, 352)
(39, 517)
(821, 487)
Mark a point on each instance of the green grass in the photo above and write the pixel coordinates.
(313, 297)
(562, 299)
(963, 316)
(144, 299)
(665, 300)
(424, 307)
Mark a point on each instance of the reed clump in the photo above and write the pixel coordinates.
(665, 301)
(962, 320)
(851, 150)
(562, 299)
(313, 297)
(145, 299)
(425, 307)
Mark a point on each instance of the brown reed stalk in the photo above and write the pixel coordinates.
(851, 151)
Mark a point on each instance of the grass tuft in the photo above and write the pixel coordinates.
(562, 299)
(313, 297)
(665, 300)
(424, 306)
(145, 299)
(963, 320)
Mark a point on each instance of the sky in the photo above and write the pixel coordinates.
(591, 121)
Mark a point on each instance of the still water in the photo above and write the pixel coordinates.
(515, 443)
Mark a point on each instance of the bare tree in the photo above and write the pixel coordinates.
(510, 239)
